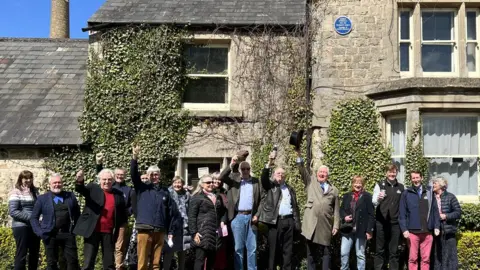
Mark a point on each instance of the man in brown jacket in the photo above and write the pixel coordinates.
(321, 219)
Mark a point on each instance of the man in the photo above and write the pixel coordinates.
(418, 217)
(156, 214)
(127, 191)
(321, 219)
(386, 198)
(244, 195)
(59, 210)
(279, 210)
(104, 212)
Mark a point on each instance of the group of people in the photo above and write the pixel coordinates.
(222, 215)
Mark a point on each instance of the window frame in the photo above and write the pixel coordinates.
(388, 130)
(187, 161)
(461, 198)
(411, 29)
(212, 106)
(453, 42)
(476, 41)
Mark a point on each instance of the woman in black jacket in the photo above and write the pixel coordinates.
(358, 222)
(445, 245)
(204, 216)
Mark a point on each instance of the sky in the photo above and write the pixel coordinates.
(31, 18)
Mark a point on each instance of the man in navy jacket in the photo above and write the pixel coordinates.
(418, 217)
(59, 210)
(157, 215)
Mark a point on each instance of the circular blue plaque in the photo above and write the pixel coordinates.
(343, 25)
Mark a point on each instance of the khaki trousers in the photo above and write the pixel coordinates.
(149, 243)
(120, 246)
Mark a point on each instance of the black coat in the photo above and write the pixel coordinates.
(451, 208)
(94, 203)
(204, 218)
(270, 204)
(364, 218)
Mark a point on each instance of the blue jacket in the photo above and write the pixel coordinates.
(44, 207)
(409, 218)
(155, 207)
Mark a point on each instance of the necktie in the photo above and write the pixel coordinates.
(419, 192)
(323, 186)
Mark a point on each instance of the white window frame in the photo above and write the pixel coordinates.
(212, 106)
(411, 60)
(388, 130)
(453, 43)
(462, 198)
(476, 41)
(186, 161)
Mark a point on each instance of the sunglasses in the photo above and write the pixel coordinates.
(208, 183)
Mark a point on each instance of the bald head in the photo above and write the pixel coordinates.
(279, 175)
(56, 183)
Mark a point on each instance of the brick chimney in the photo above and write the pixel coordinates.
(60, 19)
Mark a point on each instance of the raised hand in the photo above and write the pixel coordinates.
(80, 176)
(99, 158)
(136, 151)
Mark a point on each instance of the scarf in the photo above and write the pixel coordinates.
(356, 195)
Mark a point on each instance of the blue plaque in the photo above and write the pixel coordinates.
(343, 25)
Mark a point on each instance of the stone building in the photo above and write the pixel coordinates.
(418, 60)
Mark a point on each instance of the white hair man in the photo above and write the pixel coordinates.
(281, 214)
(156, 214)
(60, 211)
(104, 212)
(321, 219)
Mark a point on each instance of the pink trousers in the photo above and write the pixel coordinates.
(424, 242)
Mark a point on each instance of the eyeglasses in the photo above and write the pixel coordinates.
(245, 169)
(208, 183)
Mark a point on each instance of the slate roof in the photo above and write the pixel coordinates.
(41, 90)
(201, 12)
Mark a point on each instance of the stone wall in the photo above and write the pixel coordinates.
(13, 161)
(350, 65)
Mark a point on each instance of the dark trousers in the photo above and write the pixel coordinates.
(26, 242)
(315, 253)
(280, 242)
(91, 249)
(66, 242)
(387, 236)
(200, 256)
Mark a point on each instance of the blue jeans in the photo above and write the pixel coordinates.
(347, 242)
(244, 235)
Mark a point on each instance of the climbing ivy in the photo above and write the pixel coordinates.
(354, 145)
(133, 95)
(415, 159)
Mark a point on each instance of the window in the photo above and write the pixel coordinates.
(438, 41)
(472, 42)
(194, 169)
(396, 130)
(451, 143)
(207, 86)
(405, 40)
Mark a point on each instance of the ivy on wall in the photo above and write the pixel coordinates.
(414, 156)
(133, 96)
(354, 145)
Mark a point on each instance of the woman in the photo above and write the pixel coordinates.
(204, 216)
(181, 238)
(20, 205)
(358, 221)
(445, 245)
(221, 261)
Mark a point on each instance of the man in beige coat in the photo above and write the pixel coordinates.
(321, 219)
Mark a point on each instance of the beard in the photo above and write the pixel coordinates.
(56, 190)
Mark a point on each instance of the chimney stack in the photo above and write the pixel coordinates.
(60, 19)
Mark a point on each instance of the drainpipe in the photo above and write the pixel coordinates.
(308, 75)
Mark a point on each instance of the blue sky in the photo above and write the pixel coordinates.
(31, 18)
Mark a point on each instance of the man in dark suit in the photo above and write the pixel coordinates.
(105, 211)
(244, 193)
(59, 210)
(279, 210)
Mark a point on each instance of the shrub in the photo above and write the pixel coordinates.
(415, 160)
(470, 217)
(469, 250)
(354, 145)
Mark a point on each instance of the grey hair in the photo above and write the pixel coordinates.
(106, 171)
(324, 166)
(53, 175)
(442, 181)
(200, 183)
(153, 169)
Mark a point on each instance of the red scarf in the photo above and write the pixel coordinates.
(356, 195)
